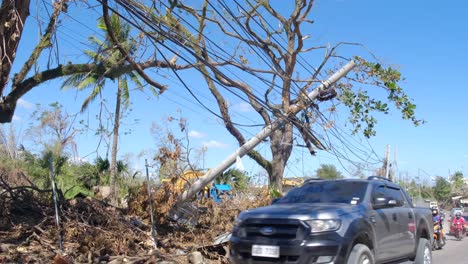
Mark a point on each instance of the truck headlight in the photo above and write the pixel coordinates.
(238, 221)
(320, 225)
(235, 230)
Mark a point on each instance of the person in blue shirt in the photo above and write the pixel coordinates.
(438, 220)
(435, 216)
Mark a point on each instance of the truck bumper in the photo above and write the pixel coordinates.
(291, 252)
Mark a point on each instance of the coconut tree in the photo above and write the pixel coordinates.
(106, 55)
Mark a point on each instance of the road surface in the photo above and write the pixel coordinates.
(454, 252)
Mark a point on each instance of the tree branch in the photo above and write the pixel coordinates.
(135, 66)
(8, 103)
(43, 43)
(202, 55)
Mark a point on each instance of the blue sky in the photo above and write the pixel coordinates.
(427, 40)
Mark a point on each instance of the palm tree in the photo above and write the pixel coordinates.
(102, 165)
(106, 55)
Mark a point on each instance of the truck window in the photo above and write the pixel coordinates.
(378, 191)
(388, 192)
(327, 192)
(395, 194)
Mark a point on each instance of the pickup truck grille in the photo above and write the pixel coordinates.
(283, 229)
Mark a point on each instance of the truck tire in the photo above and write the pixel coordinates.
(423, 252)
(360, 254)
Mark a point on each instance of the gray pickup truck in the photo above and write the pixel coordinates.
(351, 221)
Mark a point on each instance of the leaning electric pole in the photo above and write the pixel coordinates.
(264, 133)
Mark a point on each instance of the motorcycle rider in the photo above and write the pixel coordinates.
(458, 220)
(437, 220)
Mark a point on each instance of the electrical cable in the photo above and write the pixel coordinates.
(259, 101)
(173, 69)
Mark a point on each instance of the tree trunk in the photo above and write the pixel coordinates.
(276, 175)
(7, 109)
(281, 147)
(115, 140)
(13, 16)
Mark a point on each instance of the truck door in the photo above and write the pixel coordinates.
(405, 220)
(385, 229)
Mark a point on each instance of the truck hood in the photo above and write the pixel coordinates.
(300, 211)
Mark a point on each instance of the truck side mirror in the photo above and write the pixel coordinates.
(392, 203)
(383, 202)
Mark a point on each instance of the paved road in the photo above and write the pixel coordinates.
(454, 252)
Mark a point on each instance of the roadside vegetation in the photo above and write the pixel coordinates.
(104, 205)
(94, 228)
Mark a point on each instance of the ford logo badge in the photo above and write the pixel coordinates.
(267, 231)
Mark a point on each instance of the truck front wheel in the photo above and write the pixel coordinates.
(424, 252)
(360, 254)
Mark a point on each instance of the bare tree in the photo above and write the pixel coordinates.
(262, 60)
(55, 130)
(10, 146)
(174, 153)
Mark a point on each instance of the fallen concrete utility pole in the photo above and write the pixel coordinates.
(266, 131)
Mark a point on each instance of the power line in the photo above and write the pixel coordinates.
(187, 61)
(79, 22)
(273, 36)
(174, 52)
(163, 44)
(210, 52)
(191, 101)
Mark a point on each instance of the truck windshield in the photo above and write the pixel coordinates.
(348, 192)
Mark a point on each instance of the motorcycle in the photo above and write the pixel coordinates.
(459, 231)
(439, 237)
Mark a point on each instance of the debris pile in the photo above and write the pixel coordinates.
(93, 231)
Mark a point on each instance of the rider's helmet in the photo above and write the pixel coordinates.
(435, 211)
(457, 215)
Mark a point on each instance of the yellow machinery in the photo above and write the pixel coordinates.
(187, 178)
(289, 183)
(215, 191)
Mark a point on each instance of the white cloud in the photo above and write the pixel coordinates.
(25, 104)
(215, 144)
(243, 107)
(196, 134)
